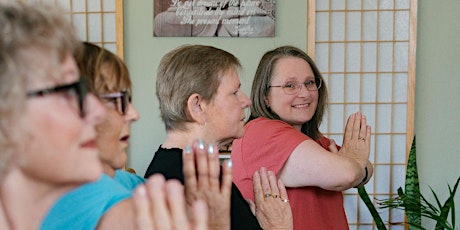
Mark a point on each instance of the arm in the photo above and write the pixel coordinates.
(271, 206)
(311, 165)
(201, 172)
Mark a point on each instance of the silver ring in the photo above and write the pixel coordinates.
(267, 195)
(285, 200)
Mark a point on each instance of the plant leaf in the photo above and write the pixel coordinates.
(412, 188)
(377, 219)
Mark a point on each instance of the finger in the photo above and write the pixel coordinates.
(200, 215)
(214, 167)
(349, 128)
(265, 183)
(143, 212)
(273, 184)
(363, 127)
(258, 193)
(226, 184)
(333, 146)
(356, 126)
(189, 173)
(282, 189)
(201, 164)
(176, 203)
(156, 191)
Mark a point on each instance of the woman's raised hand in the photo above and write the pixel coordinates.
(201, 172)
(357, 139)
(160, 204)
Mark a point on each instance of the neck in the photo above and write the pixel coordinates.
(26, 200)
(108, 170)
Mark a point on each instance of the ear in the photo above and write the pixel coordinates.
(266, 102)
(195, 105)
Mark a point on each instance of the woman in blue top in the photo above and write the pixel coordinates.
(108, 78)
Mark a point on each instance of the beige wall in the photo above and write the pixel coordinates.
(437, 87)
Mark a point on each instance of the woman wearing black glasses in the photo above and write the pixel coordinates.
(109, 79)
(288, 102)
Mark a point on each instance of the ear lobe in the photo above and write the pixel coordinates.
(266, 102)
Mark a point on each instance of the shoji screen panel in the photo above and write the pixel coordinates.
(96, 21)
(366, 52)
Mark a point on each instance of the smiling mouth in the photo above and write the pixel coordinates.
(301, 105)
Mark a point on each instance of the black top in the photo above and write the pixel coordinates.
(169, 163)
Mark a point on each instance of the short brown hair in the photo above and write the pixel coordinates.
(262, 81)
(187, 70)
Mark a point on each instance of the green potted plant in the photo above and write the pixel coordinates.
(414, 203)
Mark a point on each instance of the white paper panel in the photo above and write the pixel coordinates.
(322, 31)
(109, 21)
(79, 21)
(108, 5)
(353, 4)
(337, 62)
(384, 88)
(353, 57)
(385, 56)
(336, 89)
(369, 52)
(352, 86)
(369, 88)
(79, 6)
(383, 118)
(94, 5)
(386, 4)
(383, 149)
(386, 25)
(401, 57)
(399, 118)
(336, 123)
(370, 4)
(369, 26)
(402, 25)
(353, 29)
(400, 87)
(383, 173)
(94, 32)
(337, 4)
(337, 26)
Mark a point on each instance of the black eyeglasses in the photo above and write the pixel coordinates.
(79, 88)
(122, 100)
(295, 86)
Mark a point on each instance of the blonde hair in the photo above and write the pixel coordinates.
(31, 34)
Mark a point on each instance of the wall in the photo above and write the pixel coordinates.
(437, 87)
(437, 96)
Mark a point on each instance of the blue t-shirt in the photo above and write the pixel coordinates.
(129, 180)
(83, 207)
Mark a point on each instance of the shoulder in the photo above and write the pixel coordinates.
(84, 206)
(127, 179)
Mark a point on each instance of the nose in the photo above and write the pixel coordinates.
(132, 114)
(246, 102)
(95, 110)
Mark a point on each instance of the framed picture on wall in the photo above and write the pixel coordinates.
(214, 18)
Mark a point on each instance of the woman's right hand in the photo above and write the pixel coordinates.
(201, 173)
(160, 204)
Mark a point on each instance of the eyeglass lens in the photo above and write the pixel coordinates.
(122, 100)
(79, 87)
